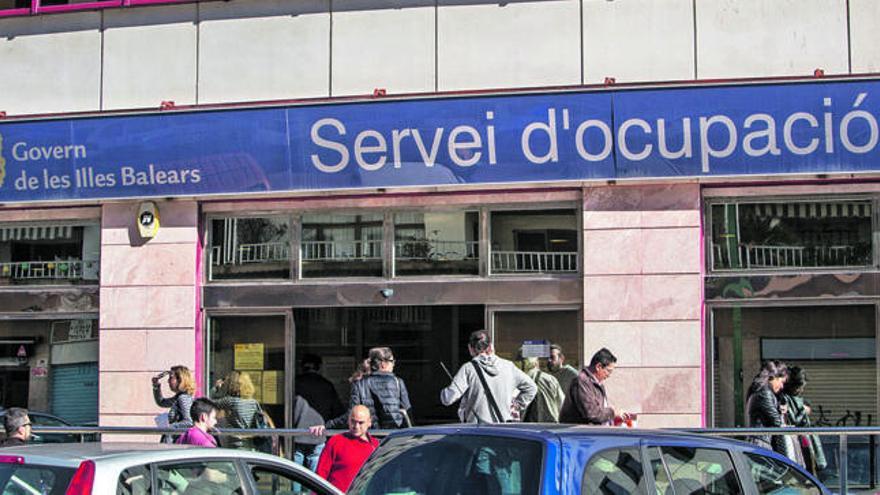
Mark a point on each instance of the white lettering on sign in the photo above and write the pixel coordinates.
(22, 152)
(80, 330)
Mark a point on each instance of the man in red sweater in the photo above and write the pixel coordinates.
(344, 454)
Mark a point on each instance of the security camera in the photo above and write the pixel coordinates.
(387, 293)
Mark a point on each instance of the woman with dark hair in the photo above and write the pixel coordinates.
(798, 415)
(382, 391)
(762, 405)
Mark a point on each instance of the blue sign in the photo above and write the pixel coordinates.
(691, 132)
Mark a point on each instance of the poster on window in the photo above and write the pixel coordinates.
(249, 356)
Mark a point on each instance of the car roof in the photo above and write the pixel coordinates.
(553, 431)
(74, 453)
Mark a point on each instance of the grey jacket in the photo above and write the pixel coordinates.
(509, 385)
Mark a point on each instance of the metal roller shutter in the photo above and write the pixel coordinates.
(841, 386)
(75, 392)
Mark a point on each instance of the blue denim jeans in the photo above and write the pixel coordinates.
(307, 455)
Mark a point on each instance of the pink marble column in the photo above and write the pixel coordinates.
(642, 297)
(148, 301)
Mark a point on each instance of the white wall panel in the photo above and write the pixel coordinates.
(263, 50)
(512, 44)
(638, 40)
(864, 18)
(756, 38)
(50, 64)
(149, 56)
(383, 44)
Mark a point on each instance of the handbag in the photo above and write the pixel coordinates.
(262, 421)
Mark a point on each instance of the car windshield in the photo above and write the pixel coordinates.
(444, 464)
(18, 479)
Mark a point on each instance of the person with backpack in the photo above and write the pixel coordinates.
(383, 392)
(491, 389)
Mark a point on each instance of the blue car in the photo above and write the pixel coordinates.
(528, 459)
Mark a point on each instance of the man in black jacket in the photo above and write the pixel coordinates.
(17, 424)
(317, 390)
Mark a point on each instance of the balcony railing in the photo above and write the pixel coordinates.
(51, 270)
(341, 250)
(435, 250)
(758, 256)
(266, 252)
(534, 262)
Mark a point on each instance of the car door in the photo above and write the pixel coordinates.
(682, 468)
(767, 474)
(267, 478)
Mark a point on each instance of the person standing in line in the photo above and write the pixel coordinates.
(548, 401)
(798, 415)
(587, 401)
(239, 408)
(17, 424)
(204, 414)
(491, 389)
(317, 390)
(382, 391)
(306, 449)
(763, 408)
(183, 386)
(564, 373)
(341, 421)
(344, 454)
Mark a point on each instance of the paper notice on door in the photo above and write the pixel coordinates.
(273, 387)
(249, 356)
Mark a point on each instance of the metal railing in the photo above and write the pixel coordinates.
(435, 250)
(266, 252)
(59, 270)
(533, 262)
(341, 250)
(762, 256)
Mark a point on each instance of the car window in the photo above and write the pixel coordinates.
(198, 478)
(614, 472)
(273, 481)
(444, 464)
(778, 478)
(135, 480)
(693, 471)
(17, 479)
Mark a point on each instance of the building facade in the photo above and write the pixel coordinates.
(691, 183)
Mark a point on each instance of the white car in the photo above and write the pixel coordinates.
(150, 469)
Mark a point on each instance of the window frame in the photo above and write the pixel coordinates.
(732, 453)
(250, 464)
(647, 481)
(155, 466)
(742, 465)
(710, 201)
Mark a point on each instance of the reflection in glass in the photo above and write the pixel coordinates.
(773, 235)
(335, 245)
(243, 248)
(49, 254)
(436, 243)
(534, 241)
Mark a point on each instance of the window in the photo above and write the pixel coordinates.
(452, 464)
(689, 470)
(774, 477)
(17, 479)
(337, 245)
(437, 243)
(534, 241)
(614, 472)
(37, 253)
(271, 481)
(201, 477)
(135, 480)
(248, 248)
(791, 234)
